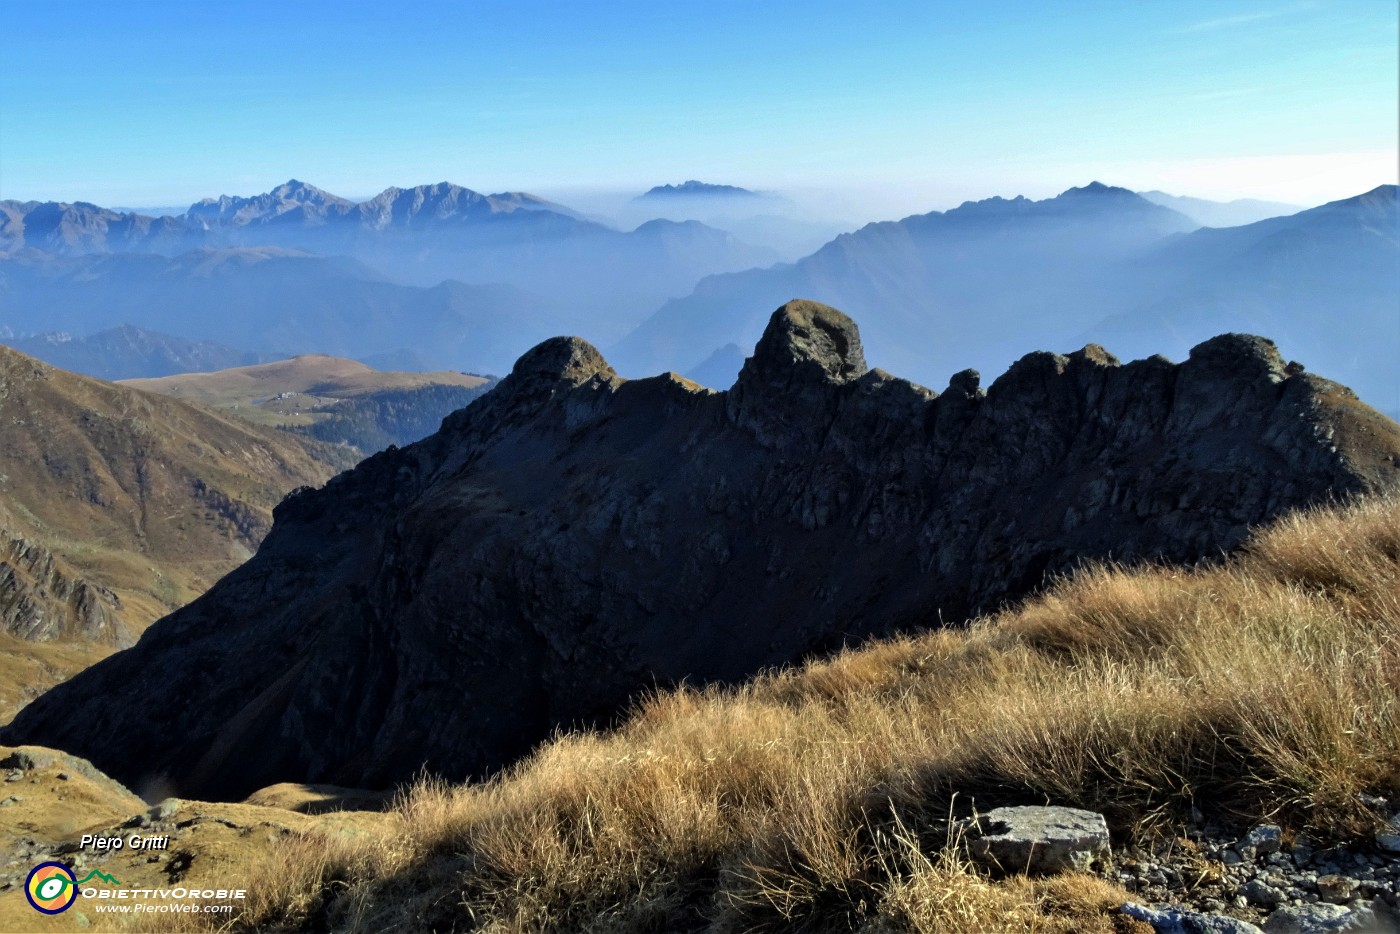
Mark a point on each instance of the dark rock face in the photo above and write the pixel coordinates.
(573, 538)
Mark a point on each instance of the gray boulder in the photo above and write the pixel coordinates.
(1389, 839)
(1180, 921)
(1322, 918)
(1038, 839)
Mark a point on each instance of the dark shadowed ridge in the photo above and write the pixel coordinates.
(573, 538)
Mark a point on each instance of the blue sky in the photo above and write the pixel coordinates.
(146, 102)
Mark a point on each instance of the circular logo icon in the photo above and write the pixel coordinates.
(51, 888)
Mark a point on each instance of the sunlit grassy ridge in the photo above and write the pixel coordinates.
(818, 798)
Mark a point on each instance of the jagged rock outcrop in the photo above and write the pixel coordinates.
(42, 600)
(573, 538)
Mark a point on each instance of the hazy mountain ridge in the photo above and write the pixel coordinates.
(126, 352)
(273, 300)
(942, 290)
(1234, 213)
(695, 188)
(1324, 282)
(572, 538)
(519, 235)
(228, 220)
(914, 281)
(607, 280)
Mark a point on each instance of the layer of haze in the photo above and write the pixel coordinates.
(881, 111)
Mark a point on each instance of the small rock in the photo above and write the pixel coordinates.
(1262, 840)
(1257, 893)
(1038, 839)
(14, 775)
(12, 799)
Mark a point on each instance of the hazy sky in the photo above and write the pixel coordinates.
(917, 105)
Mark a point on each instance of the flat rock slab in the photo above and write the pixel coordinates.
(1330, 919)
(1179, 921)
(1038, 839)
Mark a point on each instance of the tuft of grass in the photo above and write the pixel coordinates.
(819, 798)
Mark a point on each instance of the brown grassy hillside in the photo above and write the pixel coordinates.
(128, 505)
(817, 799)
(293, 391)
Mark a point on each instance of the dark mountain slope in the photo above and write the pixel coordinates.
(572, 538)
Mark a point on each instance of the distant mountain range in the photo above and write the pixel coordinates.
(720, 369)
(448, 278)
(1222, 213)
(298, 203)
(607, 280)
(292, 214)
(941, 290)
(125, 352)
(271, 300)
(693, 189)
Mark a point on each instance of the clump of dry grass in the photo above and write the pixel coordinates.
(818, 798)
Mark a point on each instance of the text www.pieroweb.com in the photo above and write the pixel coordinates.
(147, 908)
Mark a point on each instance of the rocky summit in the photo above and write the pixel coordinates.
(574, 538)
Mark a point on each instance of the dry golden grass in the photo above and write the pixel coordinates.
(818, 799)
